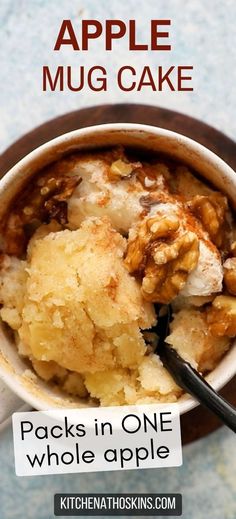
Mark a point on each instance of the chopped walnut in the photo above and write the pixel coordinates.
(165, 266)
(58, 191)
(48, 196)
(230, 275)
(48, 200)
(153, 177)
(122, 168)
(211, 211)
(221, 316)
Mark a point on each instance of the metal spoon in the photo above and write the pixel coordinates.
(188, 378)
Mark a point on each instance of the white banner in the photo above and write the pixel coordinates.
(97, 439)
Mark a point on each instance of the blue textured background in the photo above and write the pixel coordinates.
(203, 34)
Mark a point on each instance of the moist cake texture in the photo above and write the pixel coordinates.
(92, 249)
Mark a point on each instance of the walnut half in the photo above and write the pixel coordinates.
(150, 230)
(168, 267)
(162, 258)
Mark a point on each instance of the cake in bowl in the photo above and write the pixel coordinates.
(93, 248)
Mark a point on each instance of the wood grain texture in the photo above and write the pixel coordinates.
(199, 422)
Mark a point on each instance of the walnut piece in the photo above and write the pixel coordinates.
(230, 275)
(168, 267)
(211, 211)
(150, 230)
(122, 168)
(58, 191)
(47, 201)
(221, 316)
(164, 265)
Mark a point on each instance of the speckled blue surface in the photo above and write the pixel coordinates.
(203, 35)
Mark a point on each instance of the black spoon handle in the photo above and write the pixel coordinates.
(192, 382)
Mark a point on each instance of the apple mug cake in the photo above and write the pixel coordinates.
(92, 248)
